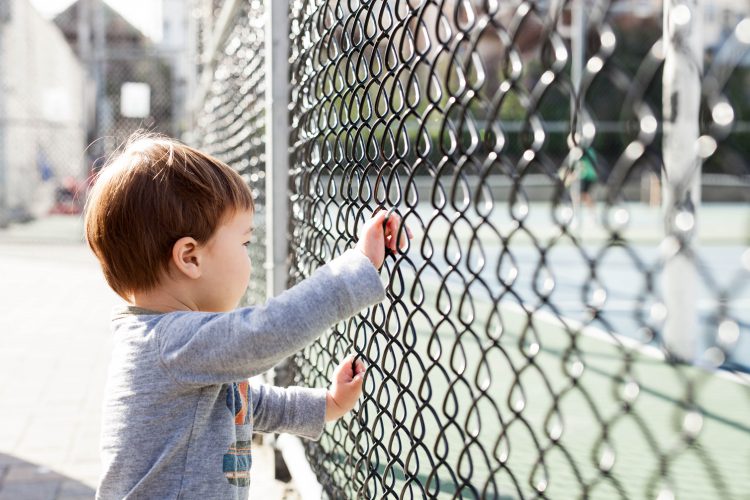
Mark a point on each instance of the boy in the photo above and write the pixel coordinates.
(169, 226)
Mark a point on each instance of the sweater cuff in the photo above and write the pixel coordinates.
(313, 401)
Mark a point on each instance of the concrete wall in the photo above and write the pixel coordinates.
(44, 88)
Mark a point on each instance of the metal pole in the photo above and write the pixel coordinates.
(577, 48)
(103, 108)
(277, 144)
(84, 32)
(683, 66)
(83, 43)
(277, 202)
(220, 31)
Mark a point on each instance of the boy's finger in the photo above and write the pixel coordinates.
(359, 366)
(339, 370)
(351, 362)
(389, 239)
(357, 381)
(394, 223)
(404, 239)
(378, 217)
(359, 369)
(375, 221)
(348, 360)
(392, 230)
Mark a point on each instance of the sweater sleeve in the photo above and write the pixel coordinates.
(294, 410)
(208, 348)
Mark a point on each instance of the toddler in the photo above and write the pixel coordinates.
(170, 226)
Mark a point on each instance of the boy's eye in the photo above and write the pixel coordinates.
(246, 244)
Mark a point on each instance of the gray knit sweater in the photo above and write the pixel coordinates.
(179, 413)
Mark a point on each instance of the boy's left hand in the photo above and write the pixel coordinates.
(345, 389)
(374, 238)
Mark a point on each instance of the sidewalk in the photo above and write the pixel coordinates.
(54, 353)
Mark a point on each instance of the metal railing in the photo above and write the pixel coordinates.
(588, 339)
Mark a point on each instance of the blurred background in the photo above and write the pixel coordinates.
(78, 78)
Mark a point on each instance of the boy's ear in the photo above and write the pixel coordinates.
(186, 257)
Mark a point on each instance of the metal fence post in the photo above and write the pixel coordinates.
(277, 202)
(683, 66)
(101, 54)
(277, 144)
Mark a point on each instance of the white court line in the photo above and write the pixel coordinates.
(628, 305)
(616, 339)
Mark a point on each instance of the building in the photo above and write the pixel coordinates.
(119, 58)
(43, 93)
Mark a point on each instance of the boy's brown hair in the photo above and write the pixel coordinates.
(155, 191)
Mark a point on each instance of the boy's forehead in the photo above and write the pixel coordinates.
(242, 219)
(237, 223)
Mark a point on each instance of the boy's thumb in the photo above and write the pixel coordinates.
(358, 378)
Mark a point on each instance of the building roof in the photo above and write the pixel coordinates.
(120, 33)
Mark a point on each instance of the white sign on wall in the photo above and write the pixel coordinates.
(135, 100)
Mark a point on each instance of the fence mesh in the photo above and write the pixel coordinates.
(231, 124)
(522, 350)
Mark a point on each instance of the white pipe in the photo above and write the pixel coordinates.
(303, 476)
(683, 66)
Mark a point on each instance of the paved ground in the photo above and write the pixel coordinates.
(54, 352)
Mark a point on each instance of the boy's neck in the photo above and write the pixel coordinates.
(160, 300)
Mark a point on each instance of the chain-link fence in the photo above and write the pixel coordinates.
(231, 123)
(571, 319)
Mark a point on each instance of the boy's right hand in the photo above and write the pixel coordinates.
(346, 388)
(374, 239)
